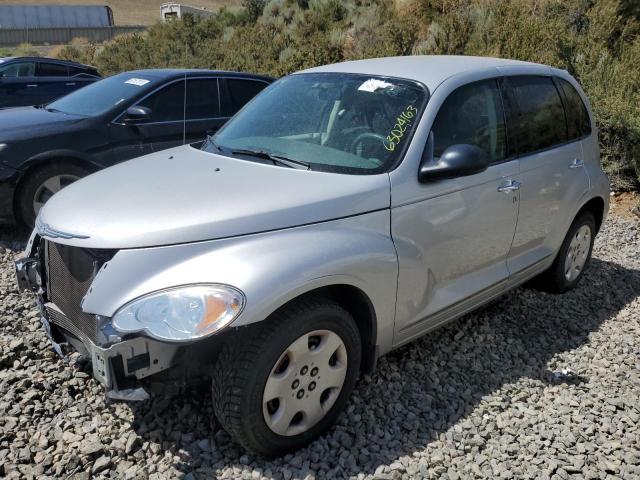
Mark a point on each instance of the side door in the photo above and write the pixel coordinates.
(53, 81)
(18, 84)
(454, 237)
(553, 180)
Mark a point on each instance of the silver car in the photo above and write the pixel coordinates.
(345, 211)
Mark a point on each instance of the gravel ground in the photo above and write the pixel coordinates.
(533, 386)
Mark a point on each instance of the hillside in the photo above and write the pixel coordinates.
(127, 12)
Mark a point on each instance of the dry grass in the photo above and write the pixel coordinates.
(132, 12)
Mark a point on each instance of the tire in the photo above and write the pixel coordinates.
(34, 189)
(556, 279)
(259, 354)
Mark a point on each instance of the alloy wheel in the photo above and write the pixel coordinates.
(577, 253)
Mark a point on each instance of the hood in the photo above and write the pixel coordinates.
(24, 122)
(185, 195)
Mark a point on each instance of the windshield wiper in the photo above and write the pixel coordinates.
(275, 159)
(210, 141)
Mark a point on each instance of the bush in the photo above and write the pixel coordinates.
(596, 41)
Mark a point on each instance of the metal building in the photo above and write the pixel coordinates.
(55, 16)
(169, 11)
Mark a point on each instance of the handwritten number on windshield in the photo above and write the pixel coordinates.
(402, 124)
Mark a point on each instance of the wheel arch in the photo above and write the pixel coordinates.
(38, 163)
(360, 307)
(596, 206)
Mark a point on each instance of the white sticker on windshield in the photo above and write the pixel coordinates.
(374, 84)
(137, 81)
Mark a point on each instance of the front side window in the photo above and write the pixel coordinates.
(473, 115)
(538, 121)
(18, 69)
(336, 122)
(167, 104)
(578, 122)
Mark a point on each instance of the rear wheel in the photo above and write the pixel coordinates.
(41, 185)
(573, 257)
(280, 385)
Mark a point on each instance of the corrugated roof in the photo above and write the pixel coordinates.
(51, 16)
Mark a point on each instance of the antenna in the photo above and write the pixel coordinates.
(184, 112)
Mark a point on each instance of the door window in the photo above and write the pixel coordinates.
(20, 69)
(52, 70)
(167, 105)
(473, 115)
(578, 122)
(240, 92)
(202, 99)
(537, 121)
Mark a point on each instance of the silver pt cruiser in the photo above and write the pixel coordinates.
(345, 211)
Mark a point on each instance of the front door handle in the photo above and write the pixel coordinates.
(31, 85)
(70, 84)
(576, 163)
(509, 187)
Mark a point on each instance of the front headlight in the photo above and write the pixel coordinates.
(181, 313)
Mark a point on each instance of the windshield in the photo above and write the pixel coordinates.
(100, 97)
(335, 122)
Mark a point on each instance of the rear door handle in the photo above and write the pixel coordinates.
(576, 163)
(70, 84)
(31, 85)
(511, 186)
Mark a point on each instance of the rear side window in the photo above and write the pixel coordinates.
(578, 122)
(202, 99)
(472, 114)
(167, 105)
(537, 120)
(52, 70)
(240, 92)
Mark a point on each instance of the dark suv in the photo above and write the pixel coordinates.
(45, 148)
(34, 81)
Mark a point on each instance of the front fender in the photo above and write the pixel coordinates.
(270, 268)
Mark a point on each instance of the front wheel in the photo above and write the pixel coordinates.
(573, 257)
(41, 185)
(281, 384)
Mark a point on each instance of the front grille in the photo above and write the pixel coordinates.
(70, 272)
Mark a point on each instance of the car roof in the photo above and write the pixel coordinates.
(430, 70)
(169, 73)
(47, 59)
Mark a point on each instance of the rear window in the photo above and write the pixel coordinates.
(52, 70)
(578, 122)
(537, 119)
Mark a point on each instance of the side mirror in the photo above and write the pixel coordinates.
(456, 161)
(136, 114)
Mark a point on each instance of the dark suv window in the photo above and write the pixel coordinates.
(167, 105)
(578, 121)
(472, 114)
(52, 70)
(537, 120)
(202, 99)
(18, 69)
(240, 92)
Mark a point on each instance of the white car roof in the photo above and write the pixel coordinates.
(431, 70)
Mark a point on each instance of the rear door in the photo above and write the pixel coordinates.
(53, 81)
(18, 84)
(552, 178)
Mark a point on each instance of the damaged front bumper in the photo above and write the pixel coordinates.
(122, 365)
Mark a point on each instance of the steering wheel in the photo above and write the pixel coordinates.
(366, 136)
